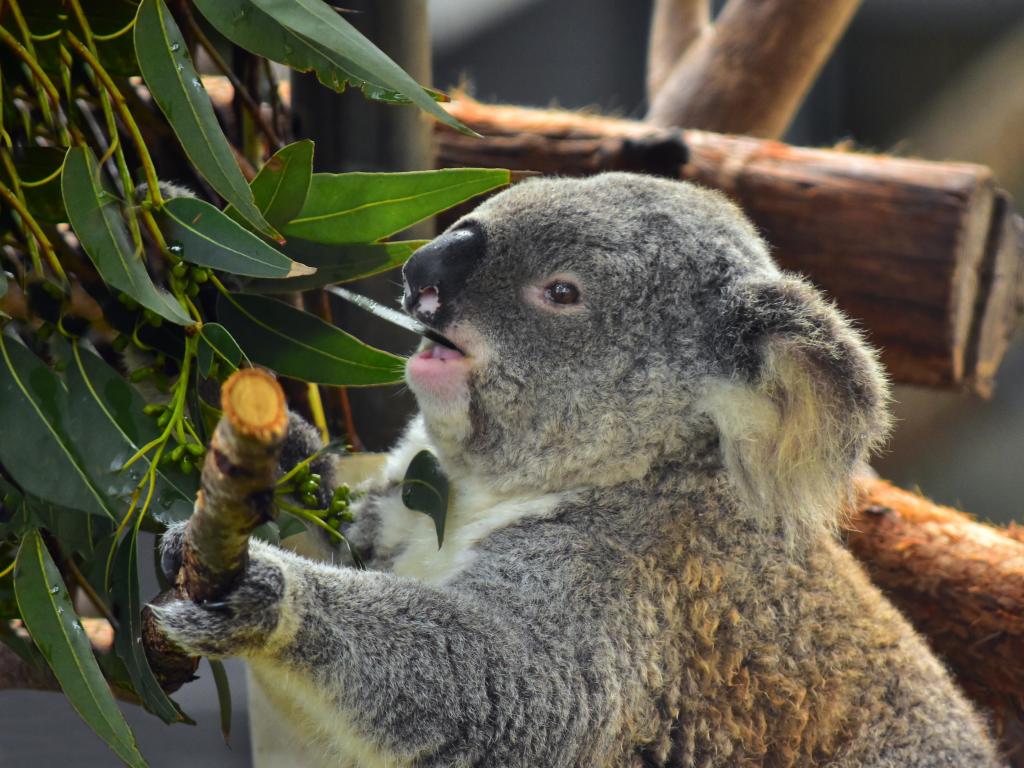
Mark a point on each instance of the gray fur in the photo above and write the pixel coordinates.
(682, 601)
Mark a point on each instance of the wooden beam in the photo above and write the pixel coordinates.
(922, 254)
(752, 72)
(959, 582)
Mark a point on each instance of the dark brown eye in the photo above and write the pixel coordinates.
(561, 292)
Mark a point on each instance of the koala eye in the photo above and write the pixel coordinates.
(562, 292)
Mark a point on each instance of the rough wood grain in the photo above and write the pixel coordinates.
(751, 72)
(918, 252)
(961, 584)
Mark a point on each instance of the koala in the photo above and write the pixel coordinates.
(650, 432)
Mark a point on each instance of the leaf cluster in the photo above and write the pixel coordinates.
(124, 300)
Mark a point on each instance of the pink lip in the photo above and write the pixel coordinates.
(438, 369)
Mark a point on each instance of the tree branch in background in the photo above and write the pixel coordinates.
(751, 73)
(961, 584)
(675, 26)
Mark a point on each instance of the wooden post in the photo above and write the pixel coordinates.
(750, 73)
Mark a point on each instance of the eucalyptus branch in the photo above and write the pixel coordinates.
(39, 79)
(29, 222)
(127, 184)
(120, 105)
(31, 242)
(40, 83)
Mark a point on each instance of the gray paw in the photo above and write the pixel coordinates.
(239, 623)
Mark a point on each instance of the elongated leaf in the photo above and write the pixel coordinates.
(426, 489)
(95, 217)
(108, 426)
(202, 234)
(128, 641)
(337, 264)
(175, 85)
(220, 679)
(36, 449)
(298, 344)
(281, 186)
(364, 207)
(217, 346)
(51, 620)
(308, 35)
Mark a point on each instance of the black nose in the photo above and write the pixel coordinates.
(437, 272)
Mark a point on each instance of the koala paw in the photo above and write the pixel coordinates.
(241, 622)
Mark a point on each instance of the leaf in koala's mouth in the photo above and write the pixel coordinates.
(393, 316)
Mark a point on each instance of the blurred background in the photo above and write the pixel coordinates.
(941, 79)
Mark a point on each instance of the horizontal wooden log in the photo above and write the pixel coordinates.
(922, 254)
(961, 584)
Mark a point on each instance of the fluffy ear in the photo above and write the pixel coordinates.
(803, 401)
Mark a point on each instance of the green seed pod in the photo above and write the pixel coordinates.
(309, 486)
(302, 473)
(200, 275)
(153, 409)
(140, 374)
(337, 507)
(195, 449)
(164, 420)
(177, 452)
(192, 290)
(347, 517)
(342, 492)
(334, 523)
(179, 270)
(186, 466)
(166, 459)
(310, 500)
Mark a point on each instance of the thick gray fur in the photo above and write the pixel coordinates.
(676, 595)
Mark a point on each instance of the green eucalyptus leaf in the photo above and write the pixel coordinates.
(336, 264)
(95, 216)
(217, 345)
(308, 35)
(50, 619)
(128, 640)
(281, 186)
(175, 85)
(426, 489)
(202, 234)
(297, 344)
(42, 459)
(220, 680)
(107, 423)
(364, 207)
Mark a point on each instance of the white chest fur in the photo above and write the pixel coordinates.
(474, 512)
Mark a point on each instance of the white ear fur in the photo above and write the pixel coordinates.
(790, 438)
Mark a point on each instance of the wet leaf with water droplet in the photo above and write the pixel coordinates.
(50, 620)
(210, 238)
(173, 82)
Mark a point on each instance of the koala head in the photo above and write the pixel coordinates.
(613, 324)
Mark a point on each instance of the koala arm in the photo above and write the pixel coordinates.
(427, 674)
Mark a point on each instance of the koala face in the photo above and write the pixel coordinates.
(591, 315)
